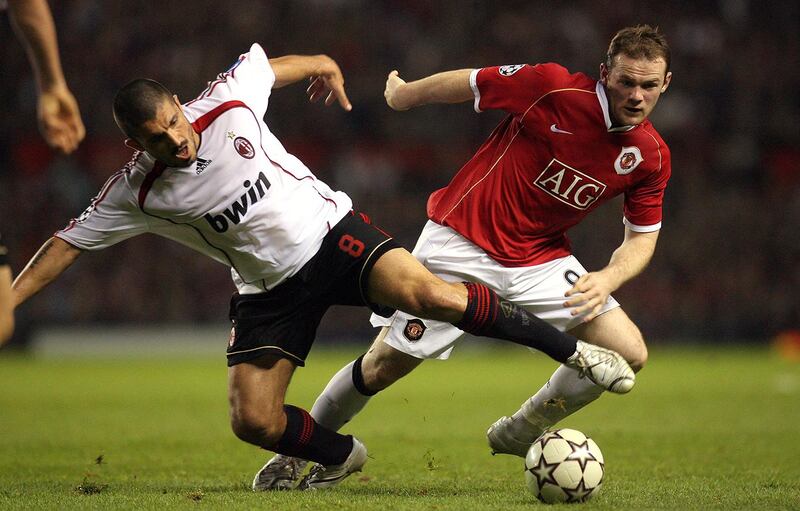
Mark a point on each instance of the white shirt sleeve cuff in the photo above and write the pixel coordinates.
(473, 83)
(641, 228)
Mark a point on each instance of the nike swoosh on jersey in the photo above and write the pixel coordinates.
(555, 129)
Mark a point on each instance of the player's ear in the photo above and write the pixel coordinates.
(133, 144)
(175, 98)
(603, 73)
(667, 79)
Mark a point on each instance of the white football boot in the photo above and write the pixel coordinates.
(324, 477)
(606, 368)
(512, 436)
(280, 473)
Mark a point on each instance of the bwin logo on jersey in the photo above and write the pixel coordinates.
(234, 213)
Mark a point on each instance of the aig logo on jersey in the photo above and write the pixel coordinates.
(244, 148)
(629, 158)
(510, 70)
(568, 185)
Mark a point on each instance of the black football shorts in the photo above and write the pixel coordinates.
(283, 321)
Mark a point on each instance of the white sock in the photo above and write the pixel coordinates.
(340, 401)
(564, 394)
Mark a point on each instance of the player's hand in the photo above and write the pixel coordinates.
(60, 120)
(589, 294)
(327, 81)
(393, 81)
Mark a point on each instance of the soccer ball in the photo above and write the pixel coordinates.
(564, 465)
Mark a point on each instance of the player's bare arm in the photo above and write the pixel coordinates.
(55, 256)
(6, 304)
(446, 87)
(59, 118)
(326, 78)
(592, 289)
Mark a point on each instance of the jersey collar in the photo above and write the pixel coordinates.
(603, 100)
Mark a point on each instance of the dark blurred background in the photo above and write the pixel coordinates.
(726, 268)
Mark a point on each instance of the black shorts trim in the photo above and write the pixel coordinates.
(251, 354)
(372, 258)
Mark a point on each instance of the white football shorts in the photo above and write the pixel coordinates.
(448, 255)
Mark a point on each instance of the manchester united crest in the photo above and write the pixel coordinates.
(244, 147)
(629, 158)
(414, 330)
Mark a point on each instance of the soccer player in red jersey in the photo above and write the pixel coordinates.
(568, 144)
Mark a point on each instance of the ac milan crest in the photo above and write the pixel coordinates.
(414, 330)
(244, 148)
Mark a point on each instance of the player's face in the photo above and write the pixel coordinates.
(169, 136)
(634, 86)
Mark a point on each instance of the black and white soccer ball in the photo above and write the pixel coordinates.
(564, 465)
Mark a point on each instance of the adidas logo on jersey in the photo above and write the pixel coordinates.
(201, 165)
(234, 213)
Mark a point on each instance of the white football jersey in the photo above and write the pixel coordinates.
(245, 202)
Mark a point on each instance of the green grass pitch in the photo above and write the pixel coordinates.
(711, 428)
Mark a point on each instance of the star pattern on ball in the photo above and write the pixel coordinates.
(543, 472)
(581, 453)
(579, 494)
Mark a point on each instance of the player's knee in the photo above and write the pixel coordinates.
(437, 300)
(380, 371)
(256, 428)
(637, 355)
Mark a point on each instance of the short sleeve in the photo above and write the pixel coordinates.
(514, 88)
(643, 202)
(113, 216)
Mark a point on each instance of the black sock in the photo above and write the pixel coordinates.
(358, 378)
(305, 438)
(489, 315)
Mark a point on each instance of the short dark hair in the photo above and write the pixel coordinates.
(637, 42)
(137, 102)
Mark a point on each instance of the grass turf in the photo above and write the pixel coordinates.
(713, 428)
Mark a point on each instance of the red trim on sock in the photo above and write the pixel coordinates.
(308, 428)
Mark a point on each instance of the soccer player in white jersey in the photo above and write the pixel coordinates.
(568, 144)
(211, 175)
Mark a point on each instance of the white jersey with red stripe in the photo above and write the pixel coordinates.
(550, 162)
(245, 202)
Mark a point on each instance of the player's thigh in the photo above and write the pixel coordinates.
(400, 281)
(615, 330)
(383, 365)
(256, 391)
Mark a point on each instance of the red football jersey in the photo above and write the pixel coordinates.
(548, 164)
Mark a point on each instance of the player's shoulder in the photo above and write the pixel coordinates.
(135, 171)
(649, 131)
(559, 76)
